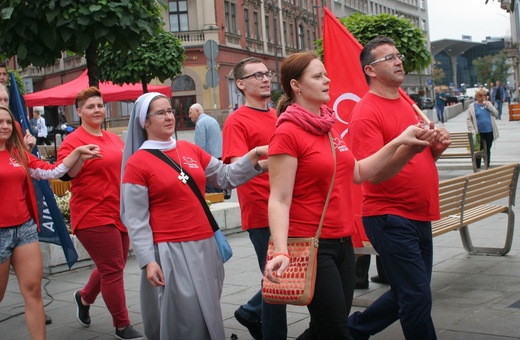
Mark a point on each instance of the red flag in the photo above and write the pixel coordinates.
(347, 85)
(341, 53)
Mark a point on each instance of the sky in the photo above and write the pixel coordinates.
(451, 19)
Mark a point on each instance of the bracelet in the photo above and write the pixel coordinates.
(257, 153)
(282, 254)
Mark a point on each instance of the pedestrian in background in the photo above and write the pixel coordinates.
(440, 103)
(207, 136)
(498, 97)
(42, 129)
(480, 119)
(94, 214)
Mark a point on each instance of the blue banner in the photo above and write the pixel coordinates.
(52, 227)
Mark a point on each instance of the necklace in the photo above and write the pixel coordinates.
(182, 176)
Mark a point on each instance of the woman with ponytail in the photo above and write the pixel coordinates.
(301, 168)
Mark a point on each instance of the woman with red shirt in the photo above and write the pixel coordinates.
(19, 246)
(94, 213)
(182, 271)
(301, 167)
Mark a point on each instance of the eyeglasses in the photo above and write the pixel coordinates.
(163, 113)
(390, 57)
(260, 75)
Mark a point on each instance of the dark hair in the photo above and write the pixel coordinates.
(366, 56)
(87, 93)
(238, 70)
(14, 143)
(293, 67)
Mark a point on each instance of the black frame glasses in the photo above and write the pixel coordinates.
(389, 57)
(260, 75)
(163, 113)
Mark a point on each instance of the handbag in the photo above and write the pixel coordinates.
(223, 245)
(298, 280)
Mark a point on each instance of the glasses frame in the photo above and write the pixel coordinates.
(163, 113)
(260, 75)
(389, 57)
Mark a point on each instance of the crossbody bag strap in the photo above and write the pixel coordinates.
(191, 182)
(330, 190)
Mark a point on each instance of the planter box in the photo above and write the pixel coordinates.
(54, 260)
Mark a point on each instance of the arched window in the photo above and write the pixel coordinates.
(183, 83)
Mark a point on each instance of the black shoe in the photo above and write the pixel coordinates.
(48, 319)
(306, 335)
(128, 333)
(227, 193)
(81, 311)
(254, 327)
(361, 285)
(378, 279)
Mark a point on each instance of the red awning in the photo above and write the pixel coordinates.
(65, 94)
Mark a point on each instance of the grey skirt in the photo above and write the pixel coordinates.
(188, 306)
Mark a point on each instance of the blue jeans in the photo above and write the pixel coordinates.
(498, 106)
(274, 317)
(440, 113)
(406, 251)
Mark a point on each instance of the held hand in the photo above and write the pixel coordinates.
(275, 268)
(29, 140)
(441, 141)
(264, 164)
(89, 151)
(154, 274)
(415, 135)
(262, 150)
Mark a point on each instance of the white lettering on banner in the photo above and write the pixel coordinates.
(47, 222)
(344, 96)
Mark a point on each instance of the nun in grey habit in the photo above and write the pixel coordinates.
(180, 297)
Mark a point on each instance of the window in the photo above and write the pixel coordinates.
(301, 36)
(183, 83)
(255, 23)
(231, 16)
(285, 32)
(246, 20)
(267, 31)
(292, 43)
(178, 12)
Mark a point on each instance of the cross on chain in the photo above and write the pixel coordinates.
(183, 177)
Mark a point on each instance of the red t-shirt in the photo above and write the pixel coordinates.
(243, 130)
(414, 192)
(14, 188)
(175, 212)
(312, 181)
(95, 190)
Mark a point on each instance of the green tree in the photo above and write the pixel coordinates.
(37, 32)
(491, 68)
(162, 57)
(409, 40)
(438, 73)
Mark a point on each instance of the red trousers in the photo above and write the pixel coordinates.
(108, 248)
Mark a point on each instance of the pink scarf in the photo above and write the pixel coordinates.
(317, 125)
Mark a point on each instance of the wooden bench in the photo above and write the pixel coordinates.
(47, 152)
(59, 188)
(471, 198)
(462, 147)
(514, 111)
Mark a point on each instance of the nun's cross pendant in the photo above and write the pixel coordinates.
(183, 177)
